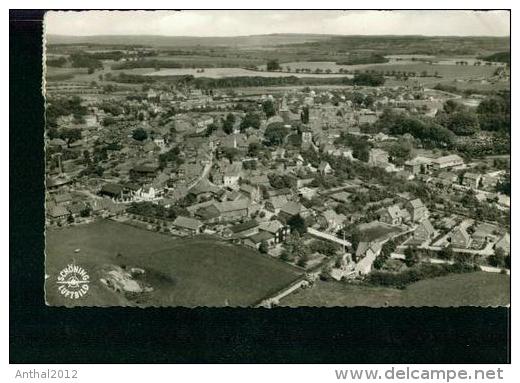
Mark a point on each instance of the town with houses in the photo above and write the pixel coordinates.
(341, 184)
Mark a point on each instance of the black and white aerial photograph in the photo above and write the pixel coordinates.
(277, 158)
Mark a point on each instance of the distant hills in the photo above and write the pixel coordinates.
(184, 41)
(295, 43)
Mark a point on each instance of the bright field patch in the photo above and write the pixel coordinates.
(183, 272)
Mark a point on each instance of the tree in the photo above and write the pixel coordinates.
(275, 134)
(229, 123)
(273, 65)
(264, 247)
(297, 224)
(268, 108)
(452, 106)
(498, 259)
(139, 134)
(446, 253)
(71, 135)
(251, 120)
(254, 149)
(411, 256)
(324, 247)
(230, 153)
(401, 152)
(305, 115)
(463, 123)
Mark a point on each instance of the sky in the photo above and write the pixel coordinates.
(242, 23)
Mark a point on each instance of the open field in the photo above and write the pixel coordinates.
(183, 272)
(473, 289)
(232, 72)
(373, 231)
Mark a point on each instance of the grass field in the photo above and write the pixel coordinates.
(376, 230)
(183, 272)
(473, 289)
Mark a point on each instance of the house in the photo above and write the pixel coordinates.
(229, 210)
(279, 230)
(378, 157)
(76, 208)
(159, 141)
(308, 193)
(460, 238)
(418, 165)
(250, 191)
(366, 253)
(489, 181)
(334, 220)
(242, 230)
(391, 215)
(471, 180)
(274, 204)
(144, 172)
(341, 196)
(256, 240)
(58, 213)
(417, 210)
(62, 198)
(292, 208)
(190, 225)
(259, 180)
(113, 191)
(424, 231)
(451, 161)
(204, 189)
(324, 168)
(504, 200)
(504, 243)
(150, 146)
(232, 175)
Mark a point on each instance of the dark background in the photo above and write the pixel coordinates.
(41, 334)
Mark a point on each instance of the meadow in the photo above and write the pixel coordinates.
(198, 271)
(471, 289)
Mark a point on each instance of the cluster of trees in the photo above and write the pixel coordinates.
(494, 113)
(228, 123)
(368, 79)
(326, 248)
(297, 224)
(501, 57)
(417, 273)
(170, 157)
(357, 59)
(66, 106)
(360, 145)
(83, 60)
(282, 181)
(387, 249)
(427, 130)
(504, 186)
(275, 134)
(500, 259)
(268, 108)
(296, 250)
(273, 65)
(250, 120)
(139, 134)
(150, 209)
(457, 118)
(57, 62)
(110, 107)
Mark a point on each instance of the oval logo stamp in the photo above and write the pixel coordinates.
(73, 282)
